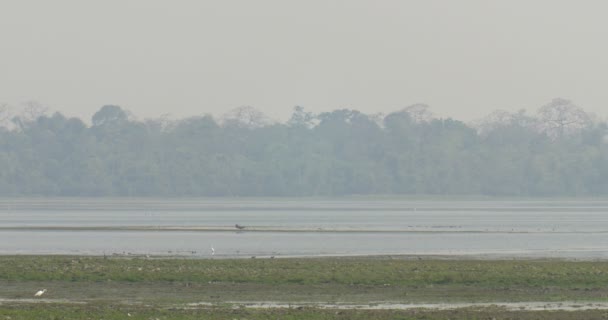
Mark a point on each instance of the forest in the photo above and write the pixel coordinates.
(557, 150)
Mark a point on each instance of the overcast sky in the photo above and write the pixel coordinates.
(464, 58)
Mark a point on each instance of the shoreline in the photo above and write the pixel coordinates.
(509, 306)
(187, 255)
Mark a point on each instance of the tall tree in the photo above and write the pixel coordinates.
(561, 117)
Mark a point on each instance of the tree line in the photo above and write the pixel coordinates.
(560, 150)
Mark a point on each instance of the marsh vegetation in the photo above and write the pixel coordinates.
(177, 288)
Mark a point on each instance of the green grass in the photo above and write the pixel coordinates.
(332, 280)
(344, 271)
(158, 288)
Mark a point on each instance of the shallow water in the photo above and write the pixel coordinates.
(531, 228)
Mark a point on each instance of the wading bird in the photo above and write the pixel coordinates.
(212, 251)
(40, 293)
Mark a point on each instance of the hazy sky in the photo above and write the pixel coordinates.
(464, 58)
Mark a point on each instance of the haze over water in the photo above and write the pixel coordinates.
(305, 227)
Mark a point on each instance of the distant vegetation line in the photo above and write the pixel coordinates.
(559, 151)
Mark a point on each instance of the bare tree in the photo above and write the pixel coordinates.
(32, 110)
(29, 112)
(501, 119)
(561, 117)
(492, 121)
(247, 117)
(302, 118)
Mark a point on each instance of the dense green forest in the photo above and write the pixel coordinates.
(558, 150)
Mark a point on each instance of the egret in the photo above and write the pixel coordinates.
(212, 251)
(40, 293)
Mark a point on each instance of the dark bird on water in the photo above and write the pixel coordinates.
(239, 227)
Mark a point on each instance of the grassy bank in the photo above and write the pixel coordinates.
(324, 279)
(343, 271)
(112, 287)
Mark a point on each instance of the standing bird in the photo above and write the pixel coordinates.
(212, 251)
(40, 293)
(239, 227)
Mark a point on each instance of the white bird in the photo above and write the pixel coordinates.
(40, 293)
(212, 251)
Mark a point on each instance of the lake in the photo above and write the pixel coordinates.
(306, 227)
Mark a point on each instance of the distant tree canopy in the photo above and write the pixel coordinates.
(560, 151)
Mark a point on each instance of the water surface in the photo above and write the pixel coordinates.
(310, 227)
